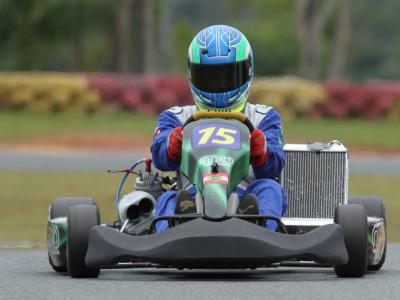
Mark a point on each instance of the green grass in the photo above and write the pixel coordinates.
(25, 196)
(383, 134)
(22, 126)
(387, 188)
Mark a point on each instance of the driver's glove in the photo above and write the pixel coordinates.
(258, 148)
(174, 146)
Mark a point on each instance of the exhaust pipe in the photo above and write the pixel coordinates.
(146, 206)
(133, 213)
(136, 206)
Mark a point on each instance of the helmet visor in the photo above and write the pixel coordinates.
(219, 78)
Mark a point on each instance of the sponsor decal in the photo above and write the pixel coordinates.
(262, 109)
(221, 160)
(176, 110)
(215, 178)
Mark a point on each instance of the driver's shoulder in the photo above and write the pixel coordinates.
(257, 112)
(182, 113)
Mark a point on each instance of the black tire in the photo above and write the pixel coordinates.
(59, 208)
(81, 218)
(353, 219)
(375, 208)
(58, 269)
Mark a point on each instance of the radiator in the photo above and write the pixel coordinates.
(315, 179)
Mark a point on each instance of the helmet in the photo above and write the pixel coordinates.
(220, 68)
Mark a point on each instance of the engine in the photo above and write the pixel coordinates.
(137, 209)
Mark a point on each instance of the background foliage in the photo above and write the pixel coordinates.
(153, 35)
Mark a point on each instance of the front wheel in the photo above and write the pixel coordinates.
(375, 208)
(81, 218)
(56, 232)
(353, 220)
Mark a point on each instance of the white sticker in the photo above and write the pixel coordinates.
(262, 109)
(218, 178)
(176, 110)
(208, 160)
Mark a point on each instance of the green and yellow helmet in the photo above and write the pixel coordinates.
(220, 68)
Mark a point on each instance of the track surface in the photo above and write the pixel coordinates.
(88, 161)
(27, 275)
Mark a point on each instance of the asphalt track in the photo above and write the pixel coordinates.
(27, 275)
(100, 161)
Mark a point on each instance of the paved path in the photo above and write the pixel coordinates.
(27, 275)
(67, 161)
(87, 161)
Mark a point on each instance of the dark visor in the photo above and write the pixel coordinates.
(219, 78)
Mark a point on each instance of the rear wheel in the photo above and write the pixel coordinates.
(59, 209)
(81, 218)
(375, 208)
(353, 220)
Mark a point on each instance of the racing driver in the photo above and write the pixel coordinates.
(220, 72)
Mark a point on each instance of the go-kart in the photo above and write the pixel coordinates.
(348, 234)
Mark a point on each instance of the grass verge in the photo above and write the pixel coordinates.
(22, 126)
(362, 134)
(25, 196)
(387, 188)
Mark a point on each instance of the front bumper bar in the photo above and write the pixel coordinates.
(232, 243)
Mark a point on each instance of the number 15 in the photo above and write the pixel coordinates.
(224, 133)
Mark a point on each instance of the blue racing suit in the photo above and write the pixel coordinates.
(260, 181)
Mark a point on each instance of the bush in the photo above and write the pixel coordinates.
(152, 94)
(146, 94)
(371, 100)
(291, 96)
(47, 92)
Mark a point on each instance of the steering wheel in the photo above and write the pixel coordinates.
(220, 115)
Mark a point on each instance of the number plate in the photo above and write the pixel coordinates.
(216, 135)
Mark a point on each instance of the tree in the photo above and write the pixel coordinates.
(341, 41)
(143, 35)
(311, 16)
(119, 57)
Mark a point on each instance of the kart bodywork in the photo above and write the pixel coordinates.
(215, 159)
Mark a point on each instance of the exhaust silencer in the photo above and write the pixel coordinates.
(136, 205)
